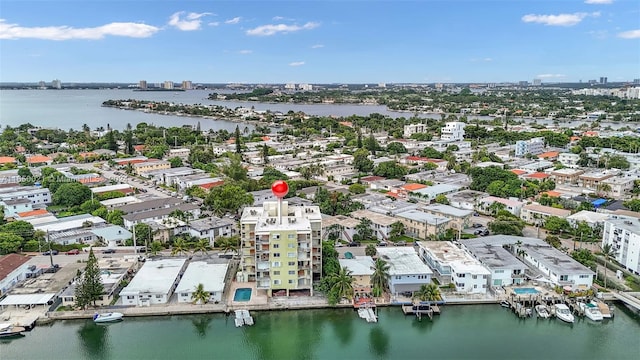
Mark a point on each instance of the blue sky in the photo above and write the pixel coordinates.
(319, 41)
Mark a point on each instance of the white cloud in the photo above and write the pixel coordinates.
(550, 76)
(631, 34)
(190, 22)
(296, 63)
(487, 59)
(317, 46)
(215, 23)
(277, 18)
(134, 30)
(598, 2)
(235, 20)
(245, 52)
(272, 29)
(560, 19)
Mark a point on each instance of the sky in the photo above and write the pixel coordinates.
(330, 41)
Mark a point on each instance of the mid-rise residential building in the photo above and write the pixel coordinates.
(144, 167)
(187, 85)
(380, 223)
(460, 218)
(281, 247)
(407, 272)
(624, 237)
(569, 160)
(454, 265)
(38, 196)
(512, 205)
(419, 224)
(533, 146)
(452, 131)
(142, 84)
(414, 129)
(566, 176)
(593, 179)
(168, 85)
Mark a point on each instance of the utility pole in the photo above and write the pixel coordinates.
(50, 251)
(135, 248)
(175, 141)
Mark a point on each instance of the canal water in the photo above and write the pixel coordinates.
(461, 332)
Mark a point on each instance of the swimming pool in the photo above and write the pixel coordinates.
(523, 291)
(242, 294)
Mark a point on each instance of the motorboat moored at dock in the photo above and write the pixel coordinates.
(542, 311)
(563, 313)
(107, 317)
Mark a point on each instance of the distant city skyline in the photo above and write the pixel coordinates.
(320, 41)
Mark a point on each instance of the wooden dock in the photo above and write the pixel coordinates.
(421, 309)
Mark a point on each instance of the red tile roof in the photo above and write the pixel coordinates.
(36, 159)
(372, 178)
(549, 154)
(7, 159)
(518, 172)
(413, 187)
(211, 184)
(551, 193)
(33, 213)
(538, 175)
(9, 263)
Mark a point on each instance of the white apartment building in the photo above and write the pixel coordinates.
(168, 85)
(569, 160)
(452, 131)
(281, 247)
(211, 228)
(624, 236)
(37, 195)
(154, 283)
(414, 129)
(454, 265)
(533, 146)
(182, 153)
(407, 272)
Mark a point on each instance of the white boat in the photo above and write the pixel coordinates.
(605, 310)
(8, 330)
(107, 317)
(542, 311)
(591, 311)
(563, 313)
(505, 303)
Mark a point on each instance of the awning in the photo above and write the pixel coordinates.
(27, 299)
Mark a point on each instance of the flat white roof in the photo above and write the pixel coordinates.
(211, 276)
(588, 216)
(120, 201)
(27, 299)
(63, 224)
(361, 265)
(155, 277)
(403, 261)
(459, 260)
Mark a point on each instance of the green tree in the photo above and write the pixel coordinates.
(90, 206)
(235, 170)
(227, 199)
(506, 225)
(364, 230)
(380, 277)
(357, 188)
(175, 162)
(442, 199)
(361, 161)
(144, 233)
(238, 143)
(10, 243)
(203, 246)
(115, 217)
(200, 295)
(608, 251)
(556, 224)
(71, 194)
(390, 169)
(633, 205)
(228, 244)
(428, 292)
(397, 230)
(396, 148)
(155, 248)
(265, 154)
(89, 288)
(584, 257)
(370, 250)
(179, 247)
(342, 286)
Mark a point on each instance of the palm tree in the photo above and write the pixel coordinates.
(522, 252)
(428, 292)
(342, 284)
(608, 251)
(202, 245)
(155, 248)
(179, 247)
(228, 244)
(200, 296)
(380, 277)
(370, 250)
(397, 229)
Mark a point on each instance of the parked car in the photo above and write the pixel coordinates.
(485, 232)
(477, 232)
(73, 252)
(401, 243)
(109, 251)
(354, 244)
(476, 225)
(54, 252)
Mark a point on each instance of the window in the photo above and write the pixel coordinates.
(129, 297)
(291, 236)
(460, 275)
(291, 255)
(290, 281)
(564, 277)
(291, 245)
(498, 271)
(275, 264)
(275, 236)
(292, 272)
(291, 263)
(158, 296)
(475, 286)
(185, 294)
(474, 276)
(276, 255)
(585, 276)
(275, 246)
(276, 282)
(276, 273)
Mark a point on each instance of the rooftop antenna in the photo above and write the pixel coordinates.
(280, 188)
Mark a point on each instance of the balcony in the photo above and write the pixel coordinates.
(263, 284)
(263, 265)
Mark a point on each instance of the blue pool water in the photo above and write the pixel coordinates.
(242, 294)
(522, 291)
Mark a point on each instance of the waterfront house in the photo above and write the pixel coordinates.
(361, 268)
(453, 265)
(407, 272)
(505, 268)
(13, 270)
(154, 283)
(112, 272)
(210, 275)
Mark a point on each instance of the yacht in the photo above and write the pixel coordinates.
(591, 311)
(8, 330)
(107, 317)
(542, 311)
(563, 313)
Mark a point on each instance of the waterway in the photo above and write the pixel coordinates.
(68, 109)
(461, 332)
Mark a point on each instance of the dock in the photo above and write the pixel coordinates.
(243, 318)
(368, 314)
(421, 309)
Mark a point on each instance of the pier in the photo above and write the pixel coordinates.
(421, 309)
